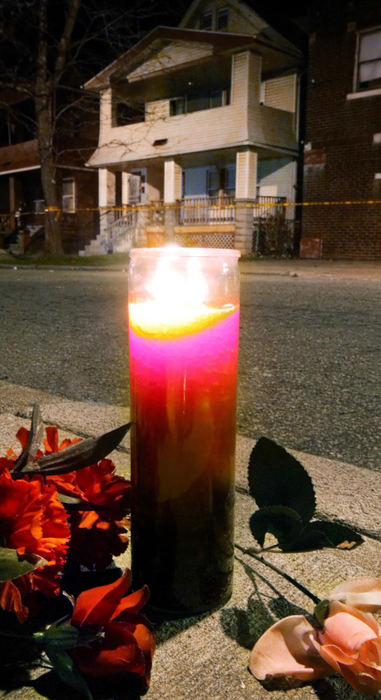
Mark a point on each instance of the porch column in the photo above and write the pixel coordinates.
(125, 188)
(106, 198)
(172, 194)
(245, 194)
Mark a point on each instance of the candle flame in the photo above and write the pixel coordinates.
(172, 288)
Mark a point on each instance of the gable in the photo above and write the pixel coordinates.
(241, 19)
(175, 54)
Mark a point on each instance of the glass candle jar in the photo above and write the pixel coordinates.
(183, 307)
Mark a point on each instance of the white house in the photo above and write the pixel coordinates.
(198, 131)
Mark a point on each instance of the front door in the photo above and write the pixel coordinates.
(137, 187)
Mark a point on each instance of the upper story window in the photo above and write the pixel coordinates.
(217, 20)
(222, 19)
(197, 101)
(206, 20)
(68, 194)
(369, 60)
(178, 105)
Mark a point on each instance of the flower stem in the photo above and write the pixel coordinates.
(289, 578)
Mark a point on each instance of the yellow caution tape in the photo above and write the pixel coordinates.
(152, 206)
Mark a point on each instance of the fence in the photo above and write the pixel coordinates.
(206, 210)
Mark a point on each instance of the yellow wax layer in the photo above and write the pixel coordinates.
(152, 319)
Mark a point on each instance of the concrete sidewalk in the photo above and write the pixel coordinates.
(340, 269)
(205, 658)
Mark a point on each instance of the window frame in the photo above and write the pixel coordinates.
(202, 16)
(222, 12)
(72, 196)
(356, 78)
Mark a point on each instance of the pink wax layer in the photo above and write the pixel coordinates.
(183, 403)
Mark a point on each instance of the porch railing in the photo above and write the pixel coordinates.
(264, 207)
(122, 228)
(206, 210)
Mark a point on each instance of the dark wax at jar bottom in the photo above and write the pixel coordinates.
(184, 554)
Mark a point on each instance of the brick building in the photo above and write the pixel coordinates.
(22, 205)
(342, 153)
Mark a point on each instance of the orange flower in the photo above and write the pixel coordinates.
(96, 536)
(32, 521)
(126, 644)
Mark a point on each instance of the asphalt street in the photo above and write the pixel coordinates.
(309, 352)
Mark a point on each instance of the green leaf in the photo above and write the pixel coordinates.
(79, 455)
(284, 523)
(332, 534)
(12, 565)
(58, 637)
(68, 672)
(276, 478)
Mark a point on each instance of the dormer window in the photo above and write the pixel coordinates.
(222, 19)
(206, 21)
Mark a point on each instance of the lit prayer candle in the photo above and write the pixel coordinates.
(183, 344)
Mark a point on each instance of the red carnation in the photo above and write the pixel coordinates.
(126, 642)
(96, 535)
(32, 521)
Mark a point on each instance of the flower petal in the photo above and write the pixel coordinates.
(361, 593)
(286, 649)
(348, 628)
(96, 605)
(131, 604)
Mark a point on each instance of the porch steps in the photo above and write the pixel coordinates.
(120, 238)
(98, 246)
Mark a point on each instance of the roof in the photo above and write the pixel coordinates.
(220, 41)
(19, 156)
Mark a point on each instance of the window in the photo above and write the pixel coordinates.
(228, 180)
(39, 206)
(178, 105)
(212, 182)
(196, 102)
(222, 19)
(369, 60)
(68, 194)
(206, 20)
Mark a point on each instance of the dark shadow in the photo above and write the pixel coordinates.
(166, 629)
(50, 686)
(17, 655)
(75, 580)
(246, 626)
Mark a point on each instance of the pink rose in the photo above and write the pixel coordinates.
(349, 644)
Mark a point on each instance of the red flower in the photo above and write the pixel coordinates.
(32, 521)
(126, 644)
(96, 536)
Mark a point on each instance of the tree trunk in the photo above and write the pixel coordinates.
(53, 240)
(44, 93)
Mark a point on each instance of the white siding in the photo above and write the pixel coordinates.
(281, 92)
